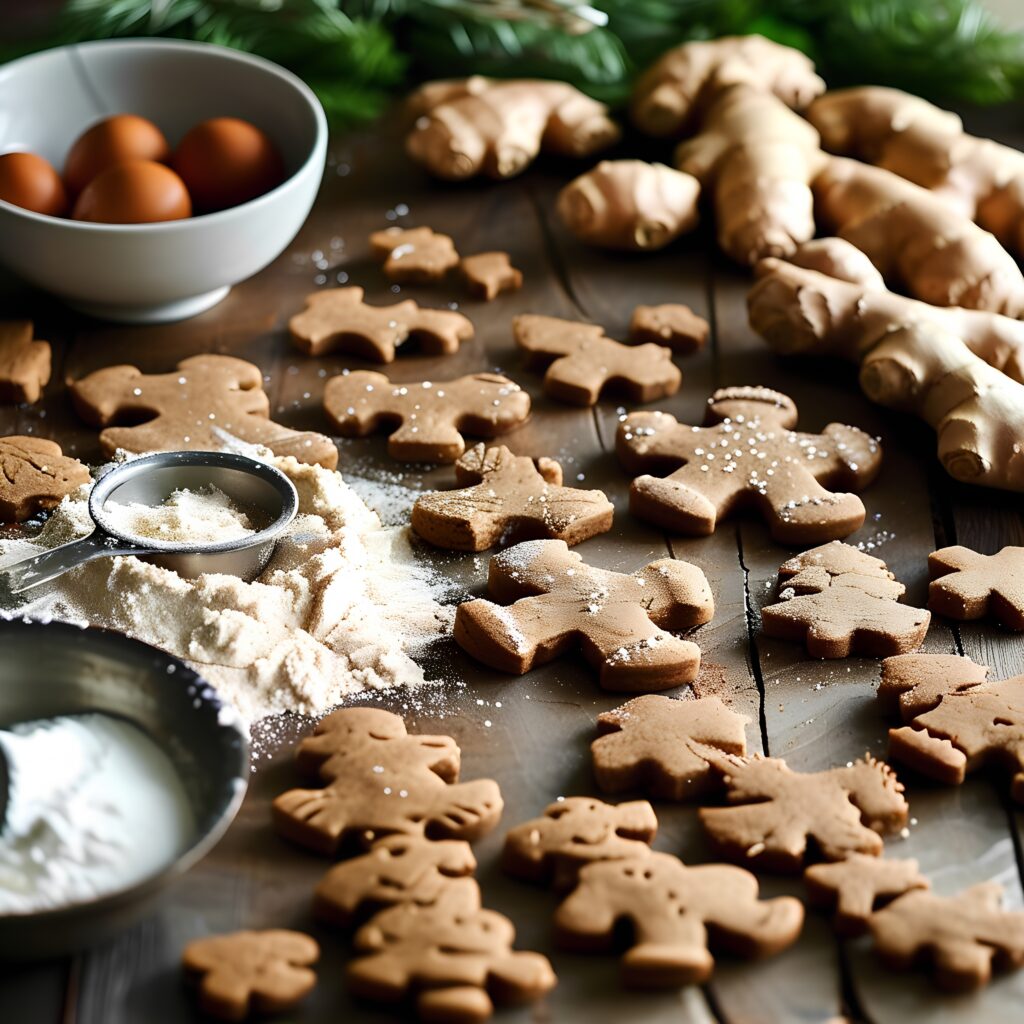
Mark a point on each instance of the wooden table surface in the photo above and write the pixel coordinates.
(535, 742)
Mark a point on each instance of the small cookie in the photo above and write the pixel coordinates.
(34, 476)
(337, 320)
(671, 324)
(581, 361)
(379, 780)
(431, 415)
(577, 831)
(488, 274)
(414, 255)
(453, 957)
(24, 362)
(860, 885)
(960, 937)
(251, 972)
(657, 745)
(775, 811)
(549, 601)
(200, 406)
(912, 683)
(397, 869)
(970, 728)
(840, 601)
(967, 585)
(676, 912)
(505, 498)
(747, 456)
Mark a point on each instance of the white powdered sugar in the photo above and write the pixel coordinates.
(205, 515)
(341, 607)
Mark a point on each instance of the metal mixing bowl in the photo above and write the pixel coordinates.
(53, 668)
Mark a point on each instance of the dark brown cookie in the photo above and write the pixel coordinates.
(967, 585)
(504, 498)
(34, 476)
(912, 683)
(24, 362)
(488, 274)
(548, 601)
(671, 324)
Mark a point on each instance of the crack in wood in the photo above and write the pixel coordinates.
(753, 652)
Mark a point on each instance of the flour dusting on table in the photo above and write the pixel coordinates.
(341, 608)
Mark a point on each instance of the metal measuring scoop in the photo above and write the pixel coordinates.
(264, 493)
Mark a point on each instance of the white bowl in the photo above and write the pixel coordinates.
(150, 273)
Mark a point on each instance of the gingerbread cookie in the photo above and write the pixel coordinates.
(840, 601)
(453, 957)
(431, 415)
(338, 320)
(549, 601)
(414, 255)
(658, 745)
(505, 498)
(380, 780)
(860, 885)
(961, 937)
(24, 362)
(749, 456)
(775, 811)
(34, 476)
(581, 361)
(912, 683)
(251, 972)
(577, 831)
(670, 324)
(675, 911)
(969, 728)
(204, 403)
(397, 869)
(488, 274)
(967, 585)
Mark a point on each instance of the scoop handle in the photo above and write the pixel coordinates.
(41, 568)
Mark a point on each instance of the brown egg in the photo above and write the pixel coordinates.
(29, 181)
(112, 141)
(136, 192)
(226, 161)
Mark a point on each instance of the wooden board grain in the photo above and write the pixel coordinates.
(532, 734)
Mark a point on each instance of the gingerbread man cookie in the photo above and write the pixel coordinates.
(397, 869)
(548, 601)
(339, 320)
(581, 361)
(488, 274)
(431, 415)
(505, 498)
(453, 957)
(201, 405)
(912, 683)
(414, 255)
(24, 362)
(251, 972)
(34, 476)
(970, 727)
(840, 601)
(961, 937)
(577, 831)
(775, 811)
(860, 885)
(658, 745)
(378, 779)
(671, 324)
(967, 585)
(748, 456)
(676, 911)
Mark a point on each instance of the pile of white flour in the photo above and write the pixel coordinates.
(341, 608)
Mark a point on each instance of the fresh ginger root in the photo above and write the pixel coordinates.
(629, 204)
(480, 125)
(757, 158)
(917, 240)
(688, 77)
(928, 146)
(912, 356)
